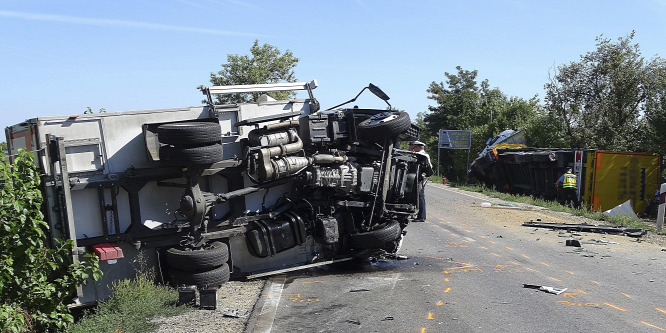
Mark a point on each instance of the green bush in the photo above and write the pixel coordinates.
(130, 307)
(37, 280)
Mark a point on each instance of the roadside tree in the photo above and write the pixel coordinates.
(602, 101)
(463, 104)
(266, 64)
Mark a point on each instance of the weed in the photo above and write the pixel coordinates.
(133, 303)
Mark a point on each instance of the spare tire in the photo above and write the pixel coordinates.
(376, 238)
(211, 256)
(384, 125)
(210, 278)
(183, 155)
(192, 133)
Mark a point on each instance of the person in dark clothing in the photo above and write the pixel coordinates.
(567, 183)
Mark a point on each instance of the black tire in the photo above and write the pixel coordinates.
(214, 277)
(384, 125)
(376, 238)
(195, 133)
(214, 255)
(191, 155)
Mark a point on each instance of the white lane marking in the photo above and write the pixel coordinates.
(269, 309)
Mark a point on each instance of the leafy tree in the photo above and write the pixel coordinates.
(601, 100)
(36, 280)
(655, 107)
(463, 104)
(266, 64)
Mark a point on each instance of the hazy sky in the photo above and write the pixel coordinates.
(59, 57)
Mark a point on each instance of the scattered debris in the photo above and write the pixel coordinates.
(387, 318)
(600, 241)
(610, 229)
(485, 204)
(358, 290)
(622, 209)
(573, 242)
(355, 322)
(236, 314)
(551, 290)
(508, 204)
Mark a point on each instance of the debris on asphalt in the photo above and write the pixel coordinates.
(573, 242)
(358, 290)
(236, 314)
(600, 241)
(609, 229)
(387, 318)
(551, 290)
(355, 322)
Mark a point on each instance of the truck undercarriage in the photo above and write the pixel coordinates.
(205, 193)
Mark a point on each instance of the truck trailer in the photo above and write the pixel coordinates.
(207, 193)
(605, 179)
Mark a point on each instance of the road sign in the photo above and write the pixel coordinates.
(454, 139)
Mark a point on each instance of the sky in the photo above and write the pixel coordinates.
(60, 57)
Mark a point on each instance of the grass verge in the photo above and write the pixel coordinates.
(620, 220)
(130, 308)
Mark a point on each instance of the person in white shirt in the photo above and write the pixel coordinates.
(425, 172)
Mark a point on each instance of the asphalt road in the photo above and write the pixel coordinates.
(466, 272)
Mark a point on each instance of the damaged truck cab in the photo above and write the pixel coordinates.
(245, 190)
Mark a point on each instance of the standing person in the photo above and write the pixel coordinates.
(425, 172)
(568, 184)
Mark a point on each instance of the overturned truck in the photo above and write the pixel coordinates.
(606, 179)
(204, 193)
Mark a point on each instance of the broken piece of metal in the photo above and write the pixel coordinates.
(573, 242)
(551, 290)
(236, 314)
(609, 229)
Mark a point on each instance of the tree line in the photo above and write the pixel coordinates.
(613, 98)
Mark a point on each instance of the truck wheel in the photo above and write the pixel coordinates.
(384, 125)
(214, 255)
(194, 133)
(213, 277)
(181, 155)
(376, 238)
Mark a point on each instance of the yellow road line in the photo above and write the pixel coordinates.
(657, 327)
(615, 307)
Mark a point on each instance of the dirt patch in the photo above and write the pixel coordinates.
(234, 295)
